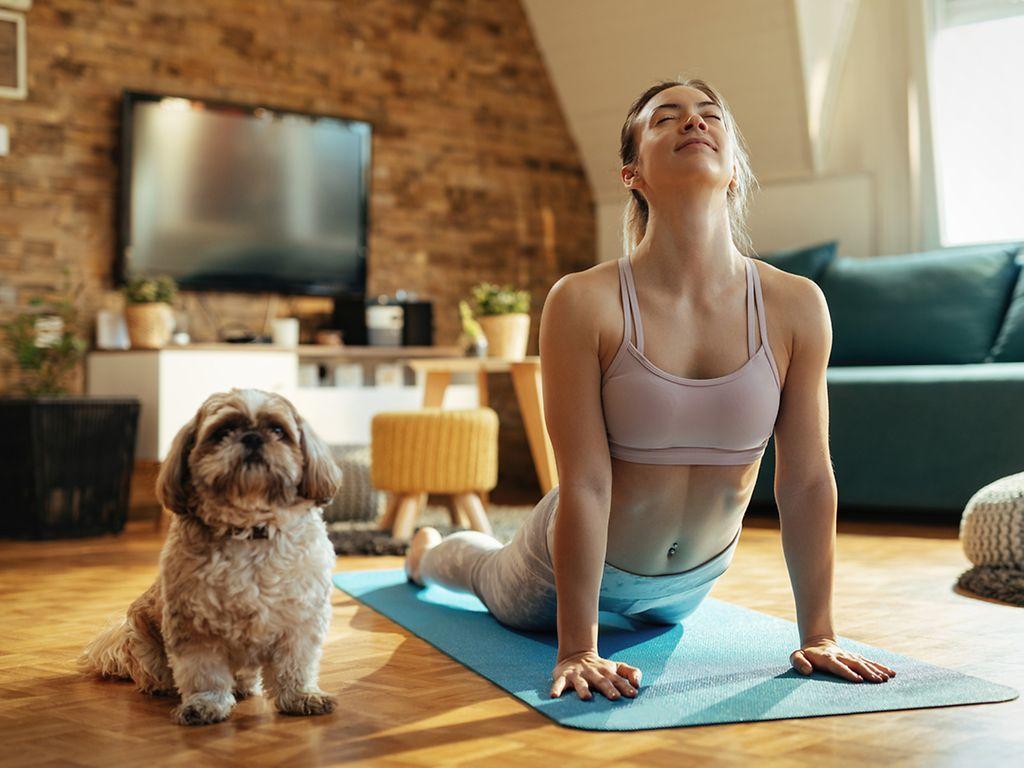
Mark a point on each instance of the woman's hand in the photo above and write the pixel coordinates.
(824, 654)
(587, 670)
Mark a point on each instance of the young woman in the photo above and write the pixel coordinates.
(665, 372)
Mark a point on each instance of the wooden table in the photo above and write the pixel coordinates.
(527, 384)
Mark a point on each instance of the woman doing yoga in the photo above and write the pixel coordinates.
(665, 372)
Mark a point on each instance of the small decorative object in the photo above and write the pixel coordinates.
(329, 338)
(388, 375)
(348, 375)
(111, 330)
(504, 315)
(473, 340)
(148, 311)
(309, 375)
(285, 332)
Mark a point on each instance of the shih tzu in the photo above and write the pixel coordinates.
(245, 574)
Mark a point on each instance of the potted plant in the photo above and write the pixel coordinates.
(148, 311)
(504, 315)
(65, 461)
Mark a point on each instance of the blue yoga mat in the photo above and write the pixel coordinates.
(724, 664)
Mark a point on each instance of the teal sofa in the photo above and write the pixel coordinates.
(926, 376)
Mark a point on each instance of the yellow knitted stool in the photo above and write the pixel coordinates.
(413, 453)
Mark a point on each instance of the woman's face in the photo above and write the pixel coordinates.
(683, 143)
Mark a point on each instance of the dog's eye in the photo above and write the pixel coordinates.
(278, 431)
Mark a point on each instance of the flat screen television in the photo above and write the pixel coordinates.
(228, 197)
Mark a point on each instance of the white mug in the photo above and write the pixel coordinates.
(285, 332)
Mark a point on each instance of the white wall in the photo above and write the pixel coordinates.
(819, 88)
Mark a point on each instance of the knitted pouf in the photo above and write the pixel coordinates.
(992, 534)
(357, 499)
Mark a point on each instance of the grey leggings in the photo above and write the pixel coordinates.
(516, 581)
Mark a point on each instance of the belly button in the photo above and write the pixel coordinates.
(672, 550)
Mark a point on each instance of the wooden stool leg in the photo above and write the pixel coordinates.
(453, 511)
(387, 520)
(405, 516)
(470, 504)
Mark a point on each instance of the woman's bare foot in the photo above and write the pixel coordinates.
(425, 538)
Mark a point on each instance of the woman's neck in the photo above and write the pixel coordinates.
(688, 251)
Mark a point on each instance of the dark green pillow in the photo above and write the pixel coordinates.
(1009, 345)
(808, 262)
(937, 307)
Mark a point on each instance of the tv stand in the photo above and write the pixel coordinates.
(171, 383)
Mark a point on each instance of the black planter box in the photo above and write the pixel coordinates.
(65, 465)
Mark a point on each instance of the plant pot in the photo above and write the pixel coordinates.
(150, 325)
(507, 335)
(65, 465)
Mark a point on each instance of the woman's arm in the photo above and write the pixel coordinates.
(805, 488)
(571, 378)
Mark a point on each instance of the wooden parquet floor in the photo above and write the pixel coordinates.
(403, 703)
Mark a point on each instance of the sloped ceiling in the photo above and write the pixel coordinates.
(773, 60)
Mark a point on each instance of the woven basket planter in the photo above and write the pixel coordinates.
(507, 335)
(150, 325)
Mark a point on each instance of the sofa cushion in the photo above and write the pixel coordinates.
(938, 307)
(1009, 344)
(808, 262)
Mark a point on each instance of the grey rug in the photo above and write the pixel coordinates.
(356, 537)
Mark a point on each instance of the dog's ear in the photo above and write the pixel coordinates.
(321, 476)
(173, 483)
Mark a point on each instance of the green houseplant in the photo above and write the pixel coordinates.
(148, 312)
(66, 460)
(503, 313)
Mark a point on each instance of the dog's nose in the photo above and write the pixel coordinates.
(252, 440)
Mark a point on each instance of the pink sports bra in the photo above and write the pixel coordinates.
(654, 417)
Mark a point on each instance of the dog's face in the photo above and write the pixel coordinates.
(245, 455)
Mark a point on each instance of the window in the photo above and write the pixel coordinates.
(977, 85)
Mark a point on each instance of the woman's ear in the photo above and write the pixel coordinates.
(629, 176)
(173, 483)
(321, 476)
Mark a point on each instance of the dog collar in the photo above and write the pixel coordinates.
(256, 532)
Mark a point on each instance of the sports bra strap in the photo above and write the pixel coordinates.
(750, 303)
(627, 334)
(634, 306)
(760, 311)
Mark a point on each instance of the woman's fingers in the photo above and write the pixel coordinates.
(581, 686)
(842, 670)
(622, 684)
(601, 683)
(630, 673)
(558, 687)
(800, 663)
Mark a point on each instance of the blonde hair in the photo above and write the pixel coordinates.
(636, 213)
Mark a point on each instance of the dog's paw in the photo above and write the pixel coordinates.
(247, 685)
(318, 703)
(204, 709)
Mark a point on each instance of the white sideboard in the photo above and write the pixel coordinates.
(172, 383)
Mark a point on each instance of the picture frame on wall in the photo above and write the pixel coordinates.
(13, 71)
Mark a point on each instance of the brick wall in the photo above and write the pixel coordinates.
(475, 175)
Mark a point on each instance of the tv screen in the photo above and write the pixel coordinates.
(234, 198)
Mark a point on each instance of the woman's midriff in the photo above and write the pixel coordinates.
(671, 518)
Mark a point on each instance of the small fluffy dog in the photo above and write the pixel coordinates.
(245, 574)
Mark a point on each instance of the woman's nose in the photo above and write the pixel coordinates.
(692, 118)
